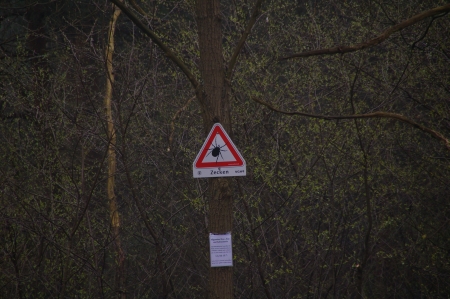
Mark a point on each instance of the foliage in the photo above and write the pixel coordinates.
(342, 209)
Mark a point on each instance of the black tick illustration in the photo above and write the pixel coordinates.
(216, 150)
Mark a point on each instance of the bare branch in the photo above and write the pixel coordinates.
(143, 13)
(138, 8)
(169, 53)
(375, 41)
(172, 124)
(379, 114)
(22, 7)
(244, 36)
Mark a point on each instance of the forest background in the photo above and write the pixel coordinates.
(100, 125)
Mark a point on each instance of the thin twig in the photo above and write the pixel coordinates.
(138, 8)
(172, 124)
(143, 13)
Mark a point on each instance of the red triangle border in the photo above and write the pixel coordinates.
(218, 129)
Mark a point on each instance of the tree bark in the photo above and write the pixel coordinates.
(111, 133)
(216, 99)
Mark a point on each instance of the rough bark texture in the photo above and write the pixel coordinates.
(214, 91)
(220, 221)
(215, 97)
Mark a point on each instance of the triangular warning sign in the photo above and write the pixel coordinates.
(218, 150)
(219, 155)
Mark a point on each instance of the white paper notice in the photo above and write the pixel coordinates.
(220, 250)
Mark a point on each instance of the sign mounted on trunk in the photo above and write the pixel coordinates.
(218, 156)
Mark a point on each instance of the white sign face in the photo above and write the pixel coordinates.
(220, 250)
(218, 156)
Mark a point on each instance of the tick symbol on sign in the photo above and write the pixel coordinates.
(216, 150)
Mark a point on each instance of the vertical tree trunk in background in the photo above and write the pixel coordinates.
(114, 213)
(216, 105)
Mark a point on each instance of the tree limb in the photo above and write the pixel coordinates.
(169, 53)
(379, 114)
(375, 41)
(143, 13)
(138, 8)
(243, 38)
(172, 124)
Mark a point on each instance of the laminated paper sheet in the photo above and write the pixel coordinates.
(220, 249)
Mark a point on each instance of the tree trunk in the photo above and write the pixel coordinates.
(114, 213)
(215, 96)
